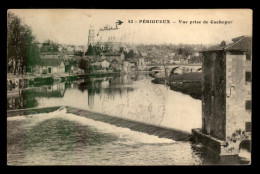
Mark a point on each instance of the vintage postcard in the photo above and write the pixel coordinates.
(129, 87)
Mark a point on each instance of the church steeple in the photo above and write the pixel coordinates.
(91, 35)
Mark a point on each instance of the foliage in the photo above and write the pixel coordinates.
(41, 81)
(195, 59)
(131, 54)
(83, 64)
(238, 135)
(79, 53)
(49, 46)
(22, 50)
(69, 64)
(121, 50)
(33, 55)
(185, 51)
(90, 51)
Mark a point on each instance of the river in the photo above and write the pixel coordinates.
(130, 96)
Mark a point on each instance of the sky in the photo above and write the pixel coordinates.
(71, 26)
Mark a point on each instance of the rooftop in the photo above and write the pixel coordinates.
(111, 54)
(50, 62)
(242, 43)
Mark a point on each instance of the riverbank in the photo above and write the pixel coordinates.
(60, 76)
(25, 81)
(188, 83)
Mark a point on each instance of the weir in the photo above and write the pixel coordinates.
(161, 132)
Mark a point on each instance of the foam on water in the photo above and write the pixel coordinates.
(39, 116)
(124, 133)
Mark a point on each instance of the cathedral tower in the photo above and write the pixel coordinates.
(91, 35)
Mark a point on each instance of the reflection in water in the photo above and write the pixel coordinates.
(130, 96)
(28, 98)
(110, 86)
(20, 100)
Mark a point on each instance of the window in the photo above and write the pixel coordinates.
(248, 126)
(49, 70)
(44, 71)
(248, 56)
(248, 77)
(248, 104)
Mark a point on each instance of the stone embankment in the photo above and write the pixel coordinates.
(189, 83)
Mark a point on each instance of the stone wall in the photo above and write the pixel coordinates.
(236, 113)
(213, 96)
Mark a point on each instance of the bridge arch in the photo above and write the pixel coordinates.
(173, 70)
(245, 145)
(154, 68)
(199, 69)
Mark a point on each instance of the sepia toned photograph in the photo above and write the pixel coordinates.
(111, 87)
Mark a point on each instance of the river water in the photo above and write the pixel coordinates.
(61, 138)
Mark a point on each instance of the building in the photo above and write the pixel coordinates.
(196, 54)
(70, 48)
(172, 54)
(96, 63)
(102, 47)
(141, 64)
(126, 67)
(50, 66)
(104, 64)
(115, 65)
(226, 99)
(143, 54)
(120, 57)
(49, 55)
(133, 64)
(176, 59)
(184, 60)
(91, 36)
(108, 40)
(70, 66)
(80, 48)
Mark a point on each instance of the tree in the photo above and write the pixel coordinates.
(196, 59)
(21, 47)
(83, 64)
(180, 52)
(188, 51)
(96, 50)
(90, 51)
(49, 46)
(32, 55)
(130, 54)
(121, 50)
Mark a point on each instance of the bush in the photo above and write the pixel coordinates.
(38, 81)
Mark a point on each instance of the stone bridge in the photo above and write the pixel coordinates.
(175, 69)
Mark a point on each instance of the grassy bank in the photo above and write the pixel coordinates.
(189, 83)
